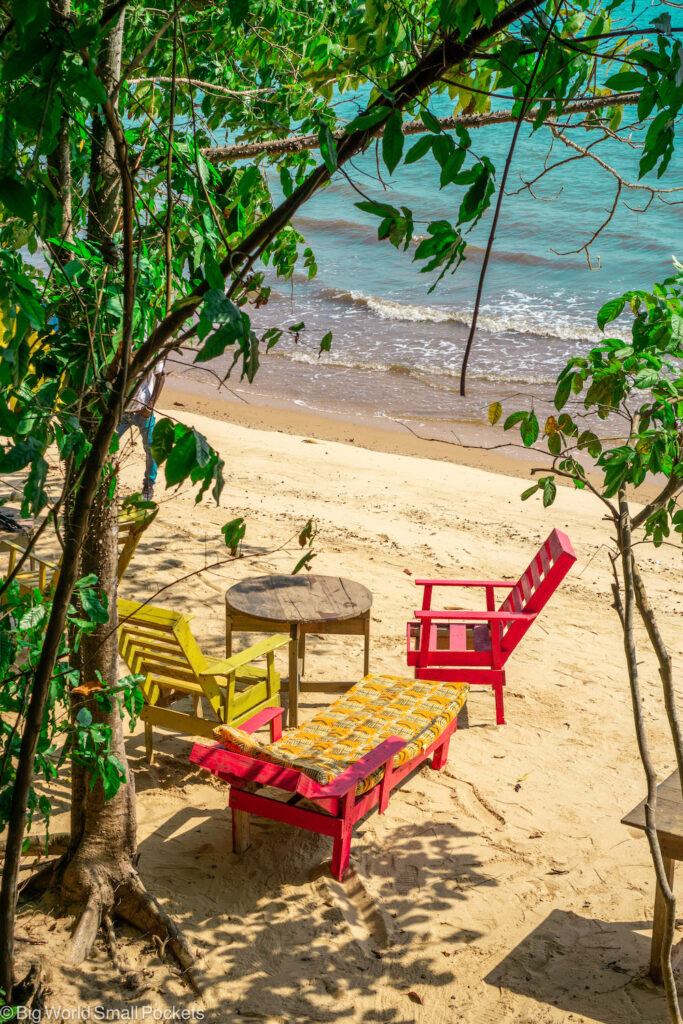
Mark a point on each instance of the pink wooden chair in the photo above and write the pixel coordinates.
(473, 646)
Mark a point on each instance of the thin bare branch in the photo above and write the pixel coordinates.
(196, 83)
(624, 528)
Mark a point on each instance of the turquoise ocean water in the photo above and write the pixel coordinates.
(397, 349)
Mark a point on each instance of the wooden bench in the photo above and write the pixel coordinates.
(346, 760)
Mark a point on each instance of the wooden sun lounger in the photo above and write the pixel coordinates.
(403, 722)
(474, 646)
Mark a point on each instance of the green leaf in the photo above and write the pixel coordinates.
(562, 393)
(646, 378)
(16, 197)
(233, 532)
(304, 560)
(238, 11)
(217, 342)
(368, 120)
(8, 142)
(567, 426)
(212, 272)
(328, 148)
(662, 23)
(615, 117)
(626, 81)
(430, 121)
(610, 311)
(378, 209)
(495, 412)
(477, 198)
(19, 455)
(392, 141)
(421, 147)
(326, 342)
(33, 617)
(271, 337)
(488, 10)
(93, 607)
(646, 103)
(529, 430)
(554, 444)
(513, 419)
(549, 491)
(202, 448)
(163, 437)
(218, 309)
(182, 458)
(84, 718)
(529, 491)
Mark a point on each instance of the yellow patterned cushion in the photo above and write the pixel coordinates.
(415, 710)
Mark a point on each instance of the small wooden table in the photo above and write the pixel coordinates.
(670, 833)
(300, 605)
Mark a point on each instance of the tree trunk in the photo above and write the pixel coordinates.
(103, 832)
(99, 874)
(105, 183)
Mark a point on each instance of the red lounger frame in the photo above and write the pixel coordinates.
(498, 631)
(338, 797)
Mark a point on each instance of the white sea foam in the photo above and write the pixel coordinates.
(516, 313)
(441, 376)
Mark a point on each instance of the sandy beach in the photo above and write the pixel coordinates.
(502, 889)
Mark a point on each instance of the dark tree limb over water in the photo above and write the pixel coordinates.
(300, 143)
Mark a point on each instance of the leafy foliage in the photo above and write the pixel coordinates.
(636, 383)
(22, 628)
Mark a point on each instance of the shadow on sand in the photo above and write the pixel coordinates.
(586, 967)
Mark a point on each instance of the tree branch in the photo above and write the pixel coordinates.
(499, 202)
(665, 664)
(670, 490)
(624, 529)
(196, 83)
(301, 143)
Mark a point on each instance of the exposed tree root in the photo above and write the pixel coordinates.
(43, 879)
(107, 891)
(31, 990)
(36, 845)
(84, 937)
(104, 890)
(138, 907)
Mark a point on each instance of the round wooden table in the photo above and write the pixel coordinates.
(300, 605)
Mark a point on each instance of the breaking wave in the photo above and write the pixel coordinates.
(514, 315)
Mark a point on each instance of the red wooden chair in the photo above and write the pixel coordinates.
(473, 646)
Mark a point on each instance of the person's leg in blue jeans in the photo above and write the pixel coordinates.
(145, 425)
(146, 429)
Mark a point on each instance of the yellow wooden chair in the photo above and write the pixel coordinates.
(158, 644)
(132, 525)
(35, 573)
(40, 573)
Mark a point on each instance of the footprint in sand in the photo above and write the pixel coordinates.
(368, 922)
